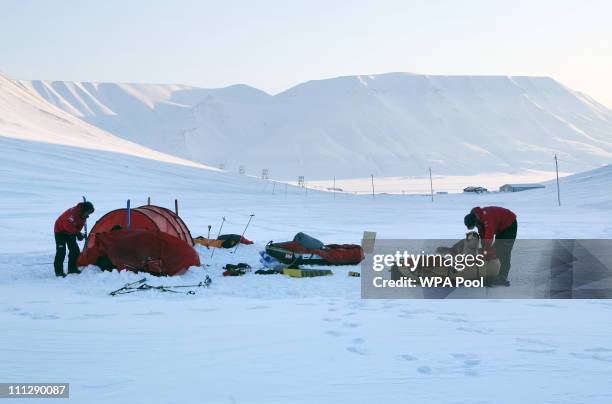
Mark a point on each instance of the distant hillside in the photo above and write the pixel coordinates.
(389, 124)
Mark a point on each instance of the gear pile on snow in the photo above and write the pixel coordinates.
(223, 241)
(307, 250)
(236, 270)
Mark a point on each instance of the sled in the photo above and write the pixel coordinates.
(306, 250)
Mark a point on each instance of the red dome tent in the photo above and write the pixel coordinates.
(146, 217)
(156, 241)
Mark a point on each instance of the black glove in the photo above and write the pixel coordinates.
(80, 236)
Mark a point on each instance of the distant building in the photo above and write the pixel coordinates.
(476, 190)
(519, 187)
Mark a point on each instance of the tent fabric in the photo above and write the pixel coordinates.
(143, 250)
(153, 229)
(146, 217)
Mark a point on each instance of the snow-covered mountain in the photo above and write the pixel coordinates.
(25, 115)
(389, 124)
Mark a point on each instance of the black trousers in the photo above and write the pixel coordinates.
(61, 241)
(504, 241)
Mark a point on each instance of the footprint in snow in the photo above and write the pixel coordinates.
(534, 350)
(357, 350)
(38, 316)
(469, 363)
(416, 311)
(535, 346)
(350, 325)
(454, 314)
(474, 330)
(358, 341)
(333, 333)
(424, 370)
(407, 357)
(260, 307)
(598, 349)
(469, 360)
(97, 315)
(205, 310)
(148, 313)
(452, 319)
(534, 341)
(331, 319)
(597, 353)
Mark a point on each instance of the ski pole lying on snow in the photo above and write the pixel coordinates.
(244, 231)
(127, 286)
(140, 285)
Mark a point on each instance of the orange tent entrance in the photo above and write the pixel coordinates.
(149, 238)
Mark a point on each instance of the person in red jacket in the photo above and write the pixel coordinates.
(499, 223)
(67, 230)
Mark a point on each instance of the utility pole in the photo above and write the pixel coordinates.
(558, 190)
(372, 176)
(334, 187)
(431, 184)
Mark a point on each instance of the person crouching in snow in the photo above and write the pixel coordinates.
(67, 230)
(498, 222)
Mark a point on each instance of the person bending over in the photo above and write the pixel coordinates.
(67, 230)
(494, 222)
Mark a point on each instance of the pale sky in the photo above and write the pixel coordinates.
(273, 45)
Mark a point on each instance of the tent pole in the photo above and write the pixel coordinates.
(129, 216)
(176, 206)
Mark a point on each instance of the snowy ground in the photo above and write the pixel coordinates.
(269, 339)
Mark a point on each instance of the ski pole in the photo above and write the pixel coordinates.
(244, 231)
(208, 237)
(85, 228)
(218, 234)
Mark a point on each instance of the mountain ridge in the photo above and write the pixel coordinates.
(350, 126)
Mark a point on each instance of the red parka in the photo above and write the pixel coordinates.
(492, 220)
(70, 221)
